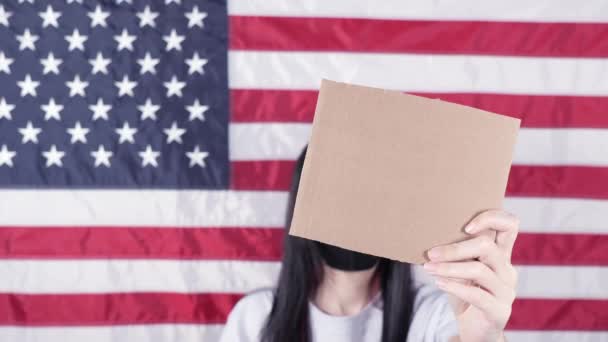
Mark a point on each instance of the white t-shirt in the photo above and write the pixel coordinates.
(433, 320)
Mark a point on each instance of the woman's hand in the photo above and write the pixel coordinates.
(478, 275)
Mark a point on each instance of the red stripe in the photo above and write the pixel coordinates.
(114, 309)
(559, 314)
(155, 308)
(537, 181)
(558, 181)
(405, 36)
(141, 242)
(262, 175)
(561, 249)
(263, 244)
(253, 105)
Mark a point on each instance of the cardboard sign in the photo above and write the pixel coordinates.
(393, 175)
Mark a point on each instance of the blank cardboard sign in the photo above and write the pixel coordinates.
(393, 175)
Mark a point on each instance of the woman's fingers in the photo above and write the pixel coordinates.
(505, 224)
(476, 272)
(482, 248)
(498, 311)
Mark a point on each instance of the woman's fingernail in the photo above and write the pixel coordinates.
(468, 228)
(434, 253)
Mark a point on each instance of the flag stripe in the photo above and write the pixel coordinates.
(183, 208)
(535, 181)
(89, 208)
(116, 308)
(125, 275)
(211, 332)
(238, 243)
(152, 308)
(558, 181)
(255, 244)
(535, 146)
(268, 105)
(420, 72)
(561, 249)
(118, 276)
(148, 332)
(420, 36)
(557, 336)
(516, 10)
(559, 314)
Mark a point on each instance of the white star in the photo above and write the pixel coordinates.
(126, 133)
(6, 156)
(51, 64)
(174, 87)
(125, 41)
(5, 63)
(53, 157)
(30, 133)
(28, 86)
(100, 110)
(50, 17)
(174, 41)
(99, 64)
(98, 17)
(197, 111)
(77, 87)
(149, 157)
(148, 64)
(4, 16)
(121, 1)
(148, 110)
(147, 17)
(170, 1)
(23, 1)
(102, 156)
(174, 133)
(125, 87)
(195, 18)
(74, 1)
(197, 157)
(52, 110)
(76, 40)
(196, 64)
(5, 109)
(78, 133)
(27, 40)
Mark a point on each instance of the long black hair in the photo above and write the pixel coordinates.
(301, 274)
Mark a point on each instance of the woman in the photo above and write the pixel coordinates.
(326, 293)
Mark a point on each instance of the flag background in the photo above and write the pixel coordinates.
(150, 263)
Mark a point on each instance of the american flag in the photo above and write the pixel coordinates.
(146, 147)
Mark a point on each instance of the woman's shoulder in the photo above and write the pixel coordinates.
(248, 316)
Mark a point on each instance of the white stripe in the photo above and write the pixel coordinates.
(513, 10)
(267, 141)
(559, 215)
(118, 333)
(557, 336)
(142, 208)
(562, 147)
(111, 276)
(418, 72)
(211, 333)
(580, 282)
(248, 209)
(272, 141)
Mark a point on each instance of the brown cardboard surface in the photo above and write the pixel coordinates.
(393, 175)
